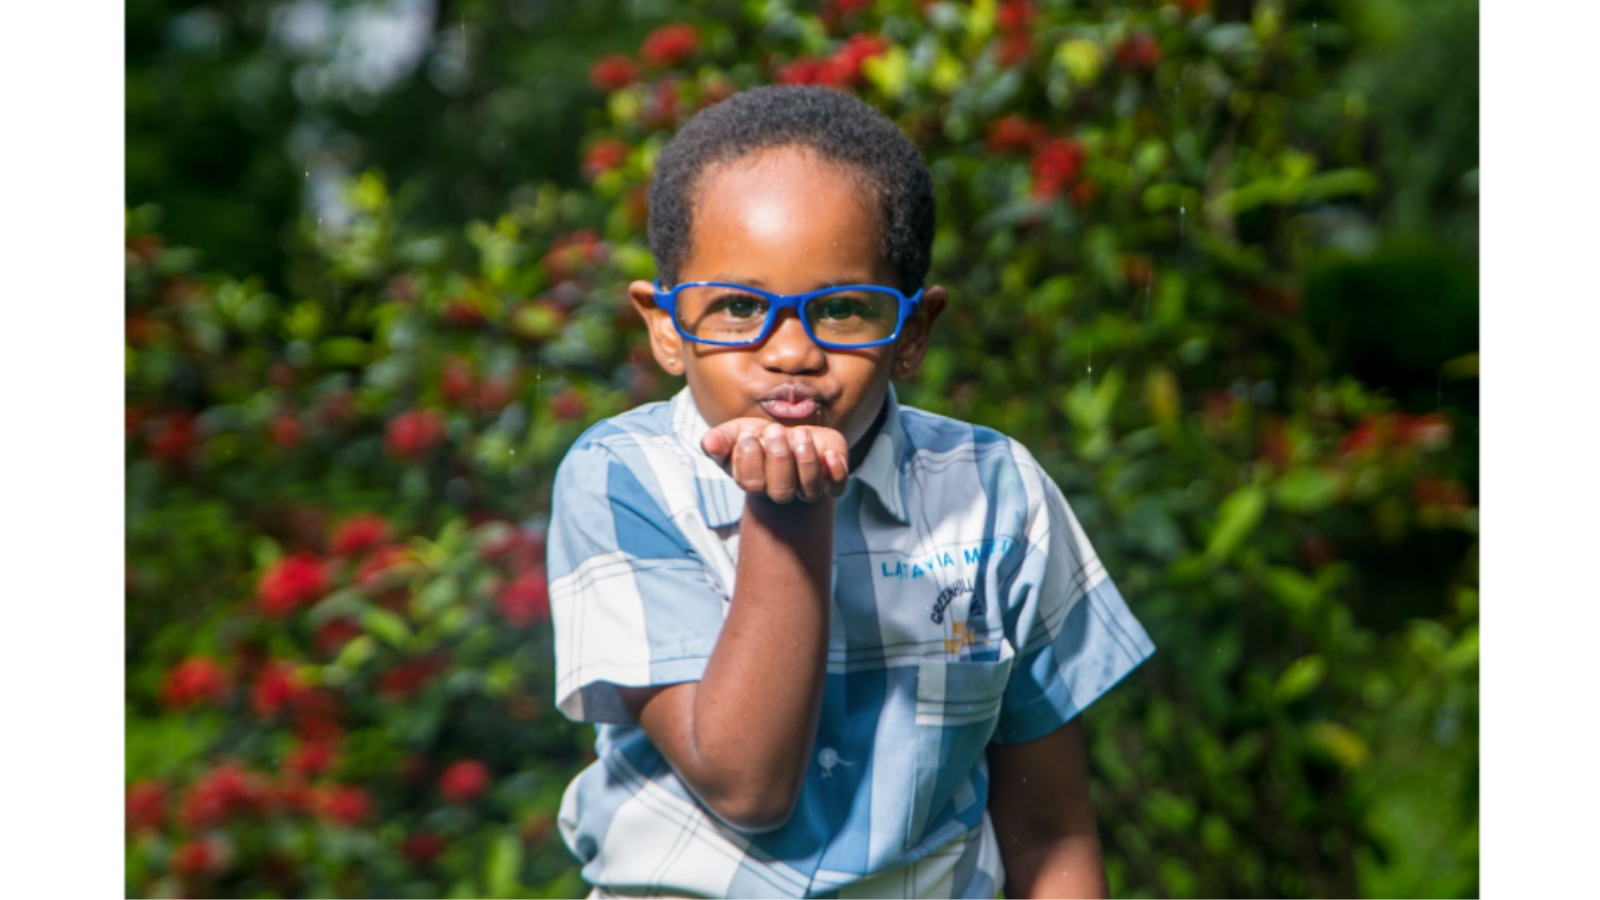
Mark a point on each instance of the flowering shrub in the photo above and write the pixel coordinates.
(340, 671)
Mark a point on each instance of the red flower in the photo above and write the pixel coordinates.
(276, 687)
(1012, 133)
(204, 856)
(312, 758)
(1370, 435)
(844, 68)
(1015, 49)
(1015, 15)
(1056, 164)
(670, 45)
(801, 71)
(342, 803)
(613, 73)
(422, 847)
(285, 431)
(408, 677)
(358, 534)
(572, 253)
(661, 109)
(525, 600)
(456, 381)
(464, 781)
(195, 681)
(517, 549)
(496, 393)
(605, 156)
(316, 714)
(411, 434)
(462, 312)
(175, 437)
(568, 406)
(1430, 432)
(297, 580)
(334, 634)
(374, 573)
(145, 805)
(222, 793)
(1139, 53)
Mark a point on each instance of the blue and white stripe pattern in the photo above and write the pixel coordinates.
(968, 608)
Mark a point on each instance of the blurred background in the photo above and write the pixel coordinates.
(1214, 261)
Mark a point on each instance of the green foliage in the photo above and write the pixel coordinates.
(1181, 241)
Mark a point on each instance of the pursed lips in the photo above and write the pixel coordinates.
(792, 402)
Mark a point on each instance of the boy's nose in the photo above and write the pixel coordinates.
(788, 348)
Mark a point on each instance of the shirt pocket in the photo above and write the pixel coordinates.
(958, 708)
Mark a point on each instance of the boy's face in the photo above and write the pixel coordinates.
(787, 221)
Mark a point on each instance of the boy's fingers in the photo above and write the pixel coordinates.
(717, 443)
(748, 465)
(807, 465)
(780, 471)
(838, 471)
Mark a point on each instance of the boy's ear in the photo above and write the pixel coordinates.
(665, 342)
(915, 334)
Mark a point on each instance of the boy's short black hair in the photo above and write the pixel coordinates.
(838, 127)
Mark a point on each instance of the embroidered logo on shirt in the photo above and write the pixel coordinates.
(926, 566)
(963, 638)
(964, 586)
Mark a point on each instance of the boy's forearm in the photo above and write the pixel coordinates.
(755, 710)
(1069, 867)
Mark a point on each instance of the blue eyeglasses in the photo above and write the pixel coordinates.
(847, 317)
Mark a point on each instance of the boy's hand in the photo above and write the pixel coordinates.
(806, 461)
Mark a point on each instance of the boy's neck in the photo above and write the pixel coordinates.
(858, 452)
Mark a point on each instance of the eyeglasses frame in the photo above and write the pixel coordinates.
(668, 301)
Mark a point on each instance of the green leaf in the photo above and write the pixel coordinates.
(501, 864)
(1300, 679)
(1292, 588)
(890, 72)
(1305, 489)
(1337, 183)
(356, 652)
(1338, 742)
(387, 626)
(1464, 654)
(343, 351)
(1239, 514)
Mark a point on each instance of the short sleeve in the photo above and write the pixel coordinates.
(631, 602)
(1073, 634)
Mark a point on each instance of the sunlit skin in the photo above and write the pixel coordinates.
(787, 221)
(742, 737)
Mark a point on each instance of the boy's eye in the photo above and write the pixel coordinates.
(739, 306)
(839, 307)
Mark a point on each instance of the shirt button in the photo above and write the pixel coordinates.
(828, 758)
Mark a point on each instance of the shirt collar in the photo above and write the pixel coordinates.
(722, 501)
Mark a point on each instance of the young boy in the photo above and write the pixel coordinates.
(834, 646)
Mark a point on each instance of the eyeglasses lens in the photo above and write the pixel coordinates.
(727, 315)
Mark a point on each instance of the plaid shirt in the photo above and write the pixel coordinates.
(968, 608)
